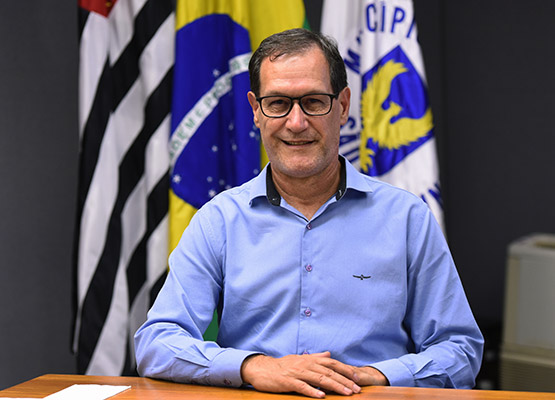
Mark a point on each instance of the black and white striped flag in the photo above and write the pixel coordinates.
(126, 65)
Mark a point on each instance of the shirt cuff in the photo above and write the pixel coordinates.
(396, 372)
(226, 367)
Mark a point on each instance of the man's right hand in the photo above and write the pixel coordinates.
(310, 374)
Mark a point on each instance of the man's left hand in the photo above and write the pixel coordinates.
(369, 376)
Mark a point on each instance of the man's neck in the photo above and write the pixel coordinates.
(308, 194)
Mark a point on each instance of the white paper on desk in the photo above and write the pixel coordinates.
(87, 392)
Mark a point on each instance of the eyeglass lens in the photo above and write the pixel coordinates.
(312, 104)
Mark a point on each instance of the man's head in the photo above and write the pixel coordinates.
(299, 102)
(295, 41)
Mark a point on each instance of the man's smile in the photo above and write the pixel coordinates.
(297, 142)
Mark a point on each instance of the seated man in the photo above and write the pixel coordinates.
(324, 279)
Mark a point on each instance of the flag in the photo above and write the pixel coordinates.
(390, 132)
(214, 144)
(125, 83)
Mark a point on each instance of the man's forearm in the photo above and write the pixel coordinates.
(165, 351)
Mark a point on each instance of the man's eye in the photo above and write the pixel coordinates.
(314, 104)
(313, 100)
(277, 102)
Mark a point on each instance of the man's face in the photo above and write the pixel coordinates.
(299, 145)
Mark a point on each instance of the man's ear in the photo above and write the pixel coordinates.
(345, 102)
(255, 107)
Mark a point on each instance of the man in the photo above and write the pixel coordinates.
(324, 279)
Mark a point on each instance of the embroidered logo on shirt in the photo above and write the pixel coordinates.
(362, 277)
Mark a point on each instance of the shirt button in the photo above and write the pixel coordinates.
(227, 382)
(308, 268)
(307, 312)
(305, 352)
(308, 226)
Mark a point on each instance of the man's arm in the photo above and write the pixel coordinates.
(170, 345)
(448, 344)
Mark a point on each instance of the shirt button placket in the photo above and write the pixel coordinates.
(307, 288)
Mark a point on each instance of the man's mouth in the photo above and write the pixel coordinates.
(297, 142)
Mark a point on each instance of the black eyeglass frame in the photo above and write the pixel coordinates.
(331, 95)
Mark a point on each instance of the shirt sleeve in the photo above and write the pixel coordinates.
(448, 344)
(170, 345)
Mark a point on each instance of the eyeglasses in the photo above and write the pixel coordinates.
(314, 104)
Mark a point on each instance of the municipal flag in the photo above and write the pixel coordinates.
(390, 132)
(125, 83)
(214, 144)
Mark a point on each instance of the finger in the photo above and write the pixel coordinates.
(326, 354)
(307, 390)
(348, 371)
(328, 379)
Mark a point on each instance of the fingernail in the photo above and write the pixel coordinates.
(355, 377)
(356, 388)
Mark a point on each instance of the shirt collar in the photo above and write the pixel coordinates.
(350, 178)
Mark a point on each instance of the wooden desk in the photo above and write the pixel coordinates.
(144, 388)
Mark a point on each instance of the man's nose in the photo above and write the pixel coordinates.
(297, 119)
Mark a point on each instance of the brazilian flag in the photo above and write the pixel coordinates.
(214, 144)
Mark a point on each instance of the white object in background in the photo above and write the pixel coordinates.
(528, 348)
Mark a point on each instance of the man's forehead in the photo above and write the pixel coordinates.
(281, 54)
(308, 59)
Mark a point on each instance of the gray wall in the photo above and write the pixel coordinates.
(489, 72)
(38, 158)
(494, 93)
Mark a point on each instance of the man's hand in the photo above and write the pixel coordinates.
(369, 376)
(310, 374)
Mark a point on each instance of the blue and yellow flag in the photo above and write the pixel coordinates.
(214, 144)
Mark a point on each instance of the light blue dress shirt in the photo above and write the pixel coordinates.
(369, 278)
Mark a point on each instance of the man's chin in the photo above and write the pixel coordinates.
(296, 168)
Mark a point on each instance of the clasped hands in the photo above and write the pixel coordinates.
(312, 375)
